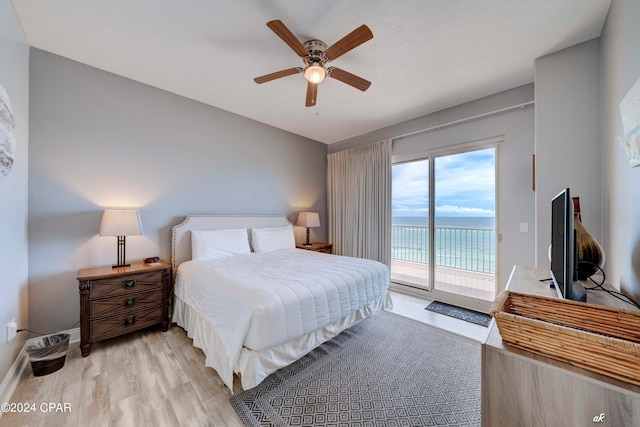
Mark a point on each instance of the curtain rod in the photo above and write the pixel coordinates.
(466, 119)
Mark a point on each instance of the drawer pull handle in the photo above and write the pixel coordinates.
(130, 320)
(128, 284)
(129, 302)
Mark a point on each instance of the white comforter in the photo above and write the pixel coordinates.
(260, 300)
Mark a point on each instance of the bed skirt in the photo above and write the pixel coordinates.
(255, 366)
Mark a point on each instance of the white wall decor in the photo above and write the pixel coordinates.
(630, 112)
(7, 134)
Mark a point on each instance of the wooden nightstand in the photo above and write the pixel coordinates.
(116, 301)
(317, 247)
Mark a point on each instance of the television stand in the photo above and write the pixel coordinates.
(524, 389)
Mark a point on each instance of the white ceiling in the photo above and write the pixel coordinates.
(426, 55)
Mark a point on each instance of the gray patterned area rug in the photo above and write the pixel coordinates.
(385, 371)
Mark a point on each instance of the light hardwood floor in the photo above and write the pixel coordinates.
(153, 378)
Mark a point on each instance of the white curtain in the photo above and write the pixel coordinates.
(359, 192)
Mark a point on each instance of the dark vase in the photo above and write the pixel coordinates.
(589, 252)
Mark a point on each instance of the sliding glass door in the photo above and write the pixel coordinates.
(444, 227)
(410, 240)
(465, 232)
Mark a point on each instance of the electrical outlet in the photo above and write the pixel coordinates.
(12, 329)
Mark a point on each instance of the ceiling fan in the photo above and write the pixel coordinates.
(315, 54)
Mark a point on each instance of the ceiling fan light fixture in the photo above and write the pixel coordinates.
(315, 73)
(315, 54)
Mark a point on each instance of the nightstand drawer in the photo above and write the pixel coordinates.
(125, 285)
(114, 306)
(125, 322)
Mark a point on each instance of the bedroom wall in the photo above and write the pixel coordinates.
(14, 77)
(515, 198)
(620, 199)
(568, 147)
(102, 141)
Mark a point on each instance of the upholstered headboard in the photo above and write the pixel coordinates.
(181, 233)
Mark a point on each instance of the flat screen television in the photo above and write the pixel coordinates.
(564, 262)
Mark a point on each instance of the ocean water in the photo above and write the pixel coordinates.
(448, 221)
(466, 243)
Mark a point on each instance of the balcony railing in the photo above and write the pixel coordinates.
(470, 249)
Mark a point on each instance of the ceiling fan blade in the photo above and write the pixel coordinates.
(348, 78)
(278, 74)
(287, 36)
(312, 92)
(348, 42)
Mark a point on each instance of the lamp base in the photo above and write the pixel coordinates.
(120, 265)
(121, 253)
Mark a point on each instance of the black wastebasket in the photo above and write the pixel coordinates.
(47, 354)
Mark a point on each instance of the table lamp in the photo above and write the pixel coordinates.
(120, 223)
(308, 220)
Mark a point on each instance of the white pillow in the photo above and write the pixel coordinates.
(272, 239)
(210, 244)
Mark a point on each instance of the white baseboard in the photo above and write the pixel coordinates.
(21, 363)
(12, 378)
(75, 335)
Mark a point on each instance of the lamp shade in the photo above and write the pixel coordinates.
(308, 219)
(120, 223)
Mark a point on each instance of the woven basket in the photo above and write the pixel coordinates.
(600, 339)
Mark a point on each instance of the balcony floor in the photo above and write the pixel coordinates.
(468, 283)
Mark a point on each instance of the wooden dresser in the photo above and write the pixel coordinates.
(520, 388)
(116, 301)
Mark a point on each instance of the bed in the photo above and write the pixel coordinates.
(254, 308)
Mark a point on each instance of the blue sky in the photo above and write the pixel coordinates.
(464, 186)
